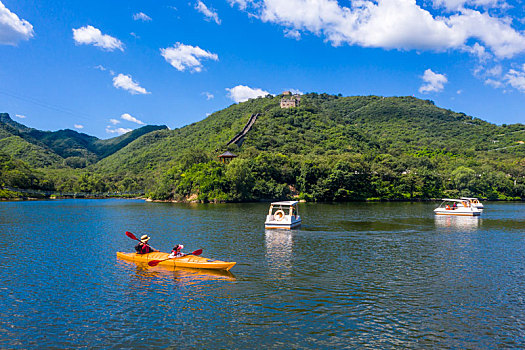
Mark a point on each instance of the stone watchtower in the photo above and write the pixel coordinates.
(288, 100)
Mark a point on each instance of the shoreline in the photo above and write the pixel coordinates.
(197, 201)
(22, 199)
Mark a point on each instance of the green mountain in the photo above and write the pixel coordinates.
(324, 125)
(328, 148)
(60, 148)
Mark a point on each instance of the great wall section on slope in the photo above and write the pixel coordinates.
(239, 138)
(288, 100)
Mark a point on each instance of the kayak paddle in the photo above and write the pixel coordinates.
(156, 262)
(132, 236)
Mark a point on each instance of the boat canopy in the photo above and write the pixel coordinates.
(469, 198)
(285, 203)
(453, 200)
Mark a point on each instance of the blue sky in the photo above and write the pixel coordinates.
(106, 67)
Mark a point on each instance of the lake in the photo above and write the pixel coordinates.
(355, 275)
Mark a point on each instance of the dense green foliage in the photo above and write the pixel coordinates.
(16, 173)
(35, 155)
(270, 175)
(330, 148)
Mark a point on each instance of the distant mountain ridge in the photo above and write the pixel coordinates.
(62, 147)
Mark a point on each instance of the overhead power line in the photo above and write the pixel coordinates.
(46, 105)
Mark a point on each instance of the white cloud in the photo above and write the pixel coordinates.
(130, 118)
(79, 126)
(292, 33)
(209, 96)
(455, 5)
(388, 23)
(184, 57)
(104, 69)
(118, 131)
(494, 83)
(296, 92)
(392, 24)
(434, 82)
(210, 14)
(141, 16)
(243, 4)
(125, 82)
(495, 71)
(241, 93)
(496, 78)
(90, 35)
(516, 79)
(114, 121)
(496, 33)
(478, 51)
(12, 28)
(20, 116)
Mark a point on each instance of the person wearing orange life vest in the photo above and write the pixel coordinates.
(143, 247)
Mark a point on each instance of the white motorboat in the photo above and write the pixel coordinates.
(474, 202)
(461, 207)
(283, 215)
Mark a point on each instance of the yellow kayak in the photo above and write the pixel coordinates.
(190, 261)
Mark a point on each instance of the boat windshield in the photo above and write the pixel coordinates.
(453, 203)
(285, 208)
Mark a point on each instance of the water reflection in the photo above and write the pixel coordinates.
(146, 275)
(279, 251)
(469, 223)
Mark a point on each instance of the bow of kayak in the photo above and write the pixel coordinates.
(190, 261)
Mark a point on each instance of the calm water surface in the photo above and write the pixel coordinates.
(353, 276)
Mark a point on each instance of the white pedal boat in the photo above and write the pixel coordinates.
(283, 215)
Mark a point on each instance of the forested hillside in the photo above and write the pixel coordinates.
(330, 148)
(63, 148)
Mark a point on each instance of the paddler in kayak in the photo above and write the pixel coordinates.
(143, 247)
(176, 251)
